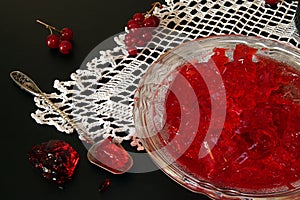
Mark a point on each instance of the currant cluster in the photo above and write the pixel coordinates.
(140, 28)
(61, 41)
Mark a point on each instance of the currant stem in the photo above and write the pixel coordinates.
(154, 5)
(47, 25)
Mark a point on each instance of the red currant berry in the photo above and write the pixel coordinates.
(133, 40)
(138, 18)
(141, 42)
(149, 22)
(132, 51)
(147, 36)
(271, 2)
(127, 40)
(156, 19)
(65, 47)
(52, 41)
(131, 24)
(66, 34)
(136, 31)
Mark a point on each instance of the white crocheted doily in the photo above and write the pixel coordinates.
(99, 95)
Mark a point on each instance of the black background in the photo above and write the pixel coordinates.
(23, 48)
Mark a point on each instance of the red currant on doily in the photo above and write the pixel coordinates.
(138, 18)
(132, 51)
(131, 24)
(140, 28)
(61, 41)
(271, 2)
(155, 19)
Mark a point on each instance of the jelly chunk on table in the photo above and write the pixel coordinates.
(55, 159)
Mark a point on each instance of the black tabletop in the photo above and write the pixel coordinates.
(23, 48)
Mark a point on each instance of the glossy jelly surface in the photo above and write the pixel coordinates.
(257, 148)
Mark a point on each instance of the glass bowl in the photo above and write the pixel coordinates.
(219, 116)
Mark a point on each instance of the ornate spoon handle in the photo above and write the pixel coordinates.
(29, 85)
(25, 83)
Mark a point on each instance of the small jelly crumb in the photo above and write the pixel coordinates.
(259, 145)
(104, 185)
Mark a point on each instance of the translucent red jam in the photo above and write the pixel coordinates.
(258, 146)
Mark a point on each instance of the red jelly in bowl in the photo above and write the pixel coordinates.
(224, 117)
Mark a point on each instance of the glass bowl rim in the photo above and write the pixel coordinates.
(205, 186)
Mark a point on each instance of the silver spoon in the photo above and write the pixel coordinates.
(100, 152)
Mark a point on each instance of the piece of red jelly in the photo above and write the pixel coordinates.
(258, 148)
(55, 159)
(110, 156)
